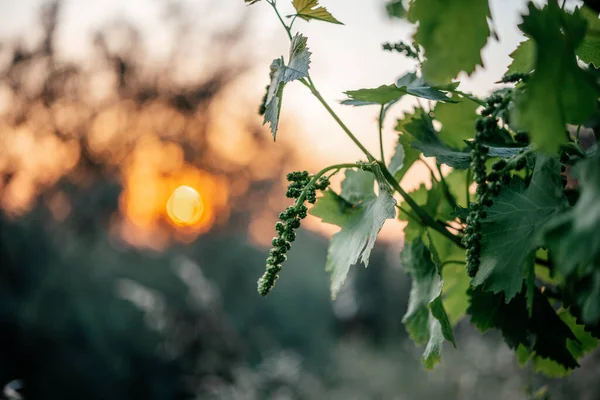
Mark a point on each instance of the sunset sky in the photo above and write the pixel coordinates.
(345, 57)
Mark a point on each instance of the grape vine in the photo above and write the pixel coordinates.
(520, 206)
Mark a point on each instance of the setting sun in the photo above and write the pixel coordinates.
(185, 206)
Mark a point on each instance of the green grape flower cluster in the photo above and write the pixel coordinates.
(479, 155)
(489, 185)
(303, 187)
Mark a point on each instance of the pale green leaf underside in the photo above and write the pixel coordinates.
(297, 68)
(425, 320)
(360, 223)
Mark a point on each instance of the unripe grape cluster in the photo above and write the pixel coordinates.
(302, 187)
(488, 185)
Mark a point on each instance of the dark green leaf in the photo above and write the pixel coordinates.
(543, 333)
(511, 229)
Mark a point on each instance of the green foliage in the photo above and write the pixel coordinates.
(406, 84)
(362, 214)
(511, 230)
(458, 121)
(297, 68)
(559, 92)
(589, 49)
(443, 24)
(425, 320)
(521, 254)
(523, 58)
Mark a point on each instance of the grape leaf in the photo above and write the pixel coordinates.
(583, 344)
(403, 158)
(419, 125)
(281, 74)
(359, 231)
(310, 9)
(573, 236)
(543, 333)
(458, 121)
(589, 49)
(444, 23)
(558, 92)
(523, 58)
(333, 209)
(511, 229)
(409, 83)
(379, 95)
(425, 320)
(416, 86)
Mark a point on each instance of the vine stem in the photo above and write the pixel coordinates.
(425, 218)
(288, 29)
(470, 97)
(381, 132)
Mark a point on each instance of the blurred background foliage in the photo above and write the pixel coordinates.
(103, 297)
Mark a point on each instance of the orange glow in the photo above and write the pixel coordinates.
(185, 206)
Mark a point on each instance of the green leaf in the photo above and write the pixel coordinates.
(543, 333)
(458, 121)
(419, 125)
(380, 95)
(452, 34)
(558, 92)
(573, 236)
(589, 49)
(456, 284)
(425, 320)
(355, 240)
(250, 2)
(523, 58)
(404, 157)
(395, 9)
(333, 209)
(310, 9)
(416, 86)
(281, 74)
(511, 229)
(584, 343)
(358, 186)
(407, 84)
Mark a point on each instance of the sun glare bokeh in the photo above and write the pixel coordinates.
(185, 206)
